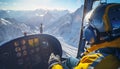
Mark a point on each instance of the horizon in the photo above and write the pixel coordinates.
(70, 5)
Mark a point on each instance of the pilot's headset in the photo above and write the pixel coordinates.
(104, 26)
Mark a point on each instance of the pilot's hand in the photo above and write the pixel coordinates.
(54, 59)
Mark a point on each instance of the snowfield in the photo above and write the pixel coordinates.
(68, 50)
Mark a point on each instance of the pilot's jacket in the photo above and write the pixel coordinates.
(98, 61)
(95, 61)
(108, 57)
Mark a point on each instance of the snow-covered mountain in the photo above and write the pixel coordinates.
(55, 22)
(68, 27)
(7, 30)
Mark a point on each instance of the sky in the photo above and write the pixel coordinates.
(44, 4)
(70, 5)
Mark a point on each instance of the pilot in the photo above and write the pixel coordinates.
(102, 36)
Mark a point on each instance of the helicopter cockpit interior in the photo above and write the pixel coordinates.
(33, 51)
(29, 52)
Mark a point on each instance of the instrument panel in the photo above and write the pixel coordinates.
(29, 52)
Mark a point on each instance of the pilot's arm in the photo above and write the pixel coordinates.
(55, 63)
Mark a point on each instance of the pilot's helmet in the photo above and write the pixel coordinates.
(103, 24)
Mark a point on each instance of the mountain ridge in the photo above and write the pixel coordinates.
(58, 23)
